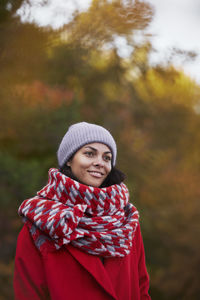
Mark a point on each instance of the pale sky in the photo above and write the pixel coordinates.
(176, 23)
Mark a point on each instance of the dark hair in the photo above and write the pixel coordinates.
(114, 177)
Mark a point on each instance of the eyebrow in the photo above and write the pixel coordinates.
(94, 149)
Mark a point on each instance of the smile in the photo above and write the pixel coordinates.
(96, 174)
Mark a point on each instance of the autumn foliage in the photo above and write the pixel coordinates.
(51, 79)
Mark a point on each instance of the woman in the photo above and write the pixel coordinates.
(81, 238)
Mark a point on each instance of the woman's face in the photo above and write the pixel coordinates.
(91, 164)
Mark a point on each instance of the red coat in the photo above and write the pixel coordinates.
(70, 274)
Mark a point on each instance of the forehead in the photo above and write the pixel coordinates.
(98, 146)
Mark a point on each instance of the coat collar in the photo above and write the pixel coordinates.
(104, 274)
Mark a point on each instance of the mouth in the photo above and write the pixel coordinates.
(96, 174)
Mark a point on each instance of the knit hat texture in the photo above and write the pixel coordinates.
(83, 133)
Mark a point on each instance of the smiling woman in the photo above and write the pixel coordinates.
(81, 238)
(91, 164)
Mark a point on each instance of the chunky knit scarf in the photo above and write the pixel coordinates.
(99, 221)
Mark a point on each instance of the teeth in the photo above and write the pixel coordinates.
(97, 174)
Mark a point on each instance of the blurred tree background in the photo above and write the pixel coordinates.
(52, 78)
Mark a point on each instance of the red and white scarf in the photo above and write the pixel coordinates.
(100, 221)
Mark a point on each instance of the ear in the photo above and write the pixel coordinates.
(69, 163)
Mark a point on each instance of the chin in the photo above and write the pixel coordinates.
(94, 183)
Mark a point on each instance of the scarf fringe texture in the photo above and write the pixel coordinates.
(99, 221)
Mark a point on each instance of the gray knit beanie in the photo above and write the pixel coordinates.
(81, 134)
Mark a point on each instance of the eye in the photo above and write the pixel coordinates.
(89, 153)
(107, 158)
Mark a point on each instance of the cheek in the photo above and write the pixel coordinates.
(80, 164)
(84, 163)
(108, 168)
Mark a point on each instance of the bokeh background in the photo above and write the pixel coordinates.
(96, 67)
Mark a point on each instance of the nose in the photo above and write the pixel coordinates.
(98, 161)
